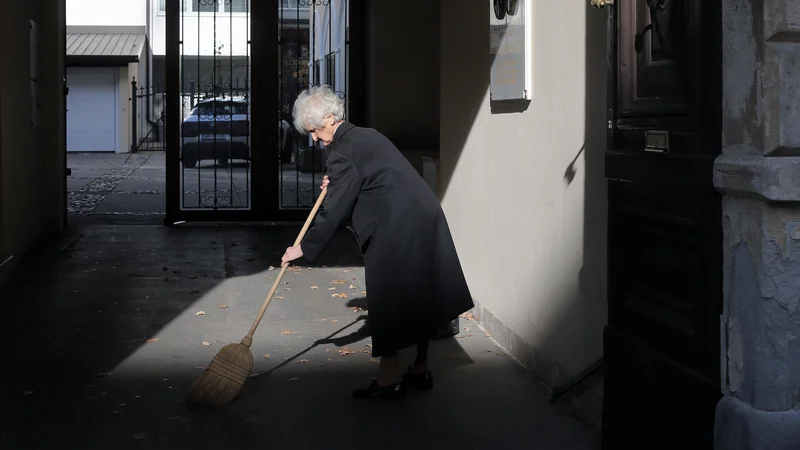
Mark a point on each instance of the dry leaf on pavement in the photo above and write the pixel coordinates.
(467, 315)
(151, 340)
(302, 361)
(338, 281)
(314, 287)
(374, 360)
(223, 306)
(287, 332)
(331, 289)
(278, 297)
(206, 343)
(335, 320)
(200, 313)
(266, 355)
(352, 287)
(271, 268)
(342, 295)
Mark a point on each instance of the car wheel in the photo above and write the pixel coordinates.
(189, 162)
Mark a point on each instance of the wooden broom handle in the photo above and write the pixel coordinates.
(248, 339)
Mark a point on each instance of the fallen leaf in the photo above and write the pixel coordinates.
(363, 292)
(302, 361)
(266, 356)
(314, 287)
(374, 360)
(368, 345)
(287, 332)
(271, 268)
(466, 329)
(287, 289)
(345, 352)
(324, 319)
(206, 343)
(223, 306)
(352, 287)
(200, 313)
(334, 320)
(338, 281)
(278, 297)
(293, 379)
(342, 295)
(500, 354)
(151, 340)
(467, 315)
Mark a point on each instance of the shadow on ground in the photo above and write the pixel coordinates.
(108, 326)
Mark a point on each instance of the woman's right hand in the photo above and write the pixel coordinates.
(325, 182)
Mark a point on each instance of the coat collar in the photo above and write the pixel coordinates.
(341, 131)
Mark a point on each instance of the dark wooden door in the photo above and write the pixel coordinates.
(662, 352)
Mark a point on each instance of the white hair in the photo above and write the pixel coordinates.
(313, 104)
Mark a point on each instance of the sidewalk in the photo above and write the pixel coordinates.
(108, 327)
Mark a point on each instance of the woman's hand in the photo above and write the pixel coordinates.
(325, 182)
(291, 254)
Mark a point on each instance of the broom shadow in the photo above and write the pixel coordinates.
(360, 334)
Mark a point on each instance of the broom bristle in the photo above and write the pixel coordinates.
(222, 380)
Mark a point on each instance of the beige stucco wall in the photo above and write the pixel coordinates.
(33, 180)
(523, 186)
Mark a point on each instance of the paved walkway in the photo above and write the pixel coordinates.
(107, 327)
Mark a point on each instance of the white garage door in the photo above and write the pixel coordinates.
(92, 109)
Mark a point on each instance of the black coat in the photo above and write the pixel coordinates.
(415, 283)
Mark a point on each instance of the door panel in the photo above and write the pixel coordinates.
(664, 236)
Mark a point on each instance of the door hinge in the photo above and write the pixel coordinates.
(602, 3)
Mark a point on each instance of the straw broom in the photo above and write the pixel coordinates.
(221, 381)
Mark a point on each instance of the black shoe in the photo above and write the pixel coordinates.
(422, 381)
(395, 391)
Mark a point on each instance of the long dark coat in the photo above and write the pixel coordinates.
(415, 284)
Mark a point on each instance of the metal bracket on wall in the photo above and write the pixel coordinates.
(576, 380)
(602, 3)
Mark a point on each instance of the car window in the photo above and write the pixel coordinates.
(220, 108)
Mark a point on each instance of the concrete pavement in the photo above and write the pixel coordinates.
(108, 326)
(134, 185)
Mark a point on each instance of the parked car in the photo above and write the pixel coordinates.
(219, 129)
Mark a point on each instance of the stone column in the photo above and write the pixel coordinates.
(758, 174)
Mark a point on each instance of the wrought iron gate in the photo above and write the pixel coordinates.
(232, 150)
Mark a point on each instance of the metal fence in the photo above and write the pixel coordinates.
(147, 118)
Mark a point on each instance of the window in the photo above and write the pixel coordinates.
(205, 6)
(237, 6)
(330, 65)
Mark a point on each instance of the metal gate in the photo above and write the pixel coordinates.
(232, 151)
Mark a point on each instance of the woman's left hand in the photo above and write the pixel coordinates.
(291, 254)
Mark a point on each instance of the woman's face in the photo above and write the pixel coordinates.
(325, 133)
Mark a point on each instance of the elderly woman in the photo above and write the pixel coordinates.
(414, 279)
